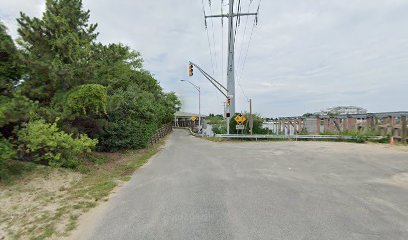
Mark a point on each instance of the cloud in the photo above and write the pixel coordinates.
(304, 55)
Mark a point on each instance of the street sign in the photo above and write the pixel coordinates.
(240, 119)
(193, 118)
(240, 127)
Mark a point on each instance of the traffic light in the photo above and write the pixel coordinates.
(228, 115)
(229, 102)
(190, 70)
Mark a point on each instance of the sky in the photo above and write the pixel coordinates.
(303, 56)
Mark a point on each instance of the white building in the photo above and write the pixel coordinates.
(344, 110)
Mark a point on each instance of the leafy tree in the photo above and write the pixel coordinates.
(115, 65)
(57, 49)
(87, 99)
(13, 110)
(100, 90)
(14, 107)
(9, 69)
(131, 119)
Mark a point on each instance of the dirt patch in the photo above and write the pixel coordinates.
(25, 206)
(46, 203)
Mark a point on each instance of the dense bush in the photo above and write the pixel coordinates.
(220, 128)
(127, 133)
(6, 153)
(87, 99)
(14, 109)
(45, 143)
(133, 117)
(98, 91)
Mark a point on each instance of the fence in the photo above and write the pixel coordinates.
(385, 124)
(296, 137)
(162, 132)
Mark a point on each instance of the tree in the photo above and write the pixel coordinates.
(9, 70)
(56, 49)
(115, 65)
(14, 108)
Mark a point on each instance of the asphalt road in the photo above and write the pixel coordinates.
(196, 189)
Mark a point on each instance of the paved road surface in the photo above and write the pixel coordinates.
(196, 189)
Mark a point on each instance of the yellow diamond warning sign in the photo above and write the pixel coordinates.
(240, 119)
(193, 118)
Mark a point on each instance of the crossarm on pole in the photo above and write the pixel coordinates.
(227, 15)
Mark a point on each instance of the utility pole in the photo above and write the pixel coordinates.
(231, 51)
(199, 101)
(251, 119)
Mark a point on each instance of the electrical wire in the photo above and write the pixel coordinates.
(222, 42)
(208, 38)
(250, 39)
(247, 50)
(237, 21)
(213, 35)
(243, 36)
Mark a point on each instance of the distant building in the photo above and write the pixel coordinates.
(343, 110)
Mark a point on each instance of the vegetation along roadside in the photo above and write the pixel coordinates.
(76, 118)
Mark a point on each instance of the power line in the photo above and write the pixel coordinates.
(237, 21)
(243, 36)
(222, 42)
(246, 54)
(249, 43)
(238, 76)
(208, 38)
(250, 38)
(213, 35)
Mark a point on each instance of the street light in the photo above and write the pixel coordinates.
(199, 101)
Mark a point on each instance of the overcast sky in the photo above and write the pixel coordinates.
(304, 56)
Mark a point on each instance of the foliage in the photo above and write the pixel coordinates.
(257, 124)
(133, 118)
(308, 115)
(58, 72)
(115, 65)
(14, 109)
(87, 99)
(45, 143)
(56, 49)
(9, 69)
(220, 128)
(214, 119)
(6, 154)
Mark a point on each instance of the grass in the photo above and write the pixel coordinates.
(42, 202)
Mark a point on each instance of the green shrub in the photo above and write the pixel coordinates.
(6, 153)
(257, 124)
(14, 109)
(45, 143)
(85, 100)
(127, 133)
(133, 117)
